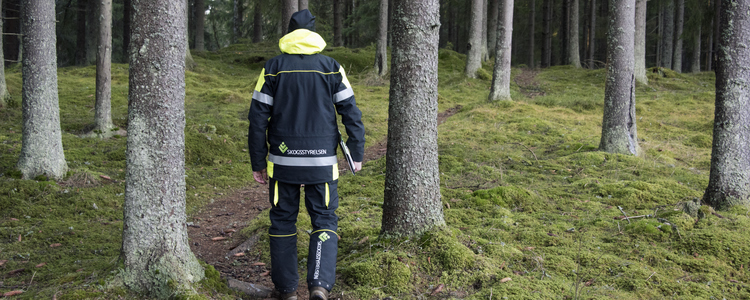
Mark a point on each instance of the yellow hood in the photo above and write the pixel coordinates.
(302, 41)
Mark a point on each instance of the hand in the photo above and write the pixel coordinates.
(357, 166)
(260, 176)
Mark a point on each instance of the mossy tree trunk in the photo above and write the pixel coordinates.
(573, 49)
(474, 47)
(200, 25)
(3, 86)
(640, 41)
(381, 51)
(501, 73)
(679, 24)
(667, 34)
(412, 202)
(157, 257)
(729, 180)
(619, 134)
(103, 105)
(42, 149)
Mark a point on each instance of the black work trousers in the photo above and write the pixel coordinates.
(321, 201)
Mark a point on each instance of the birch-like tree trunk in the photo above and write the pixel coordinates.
(257, 22)
(640, 42)
(500, 89)
(532, 33)
(412, 202)
(103, 105)
(679, 24)
(200, 25)
(288, 8)
(41, 148)
(338, 23)
(619, 133)
(573, 50)
(729, 180)
(3, 86)
(302, 4)
(157, 258)
(474, 47)
(695, 65)
(667, 34)
(381, 52)
(546, 33)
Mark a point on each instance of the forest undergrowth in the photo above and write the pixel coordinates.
(533, 210)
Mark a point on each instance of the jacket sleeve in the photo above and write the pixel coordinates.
(260, 111)
(351, 117)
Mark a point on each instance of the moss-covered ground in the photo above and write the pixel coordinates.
(534, 211)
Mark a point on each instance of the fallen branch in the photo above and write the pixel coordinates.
(527, 148)
(623, 213)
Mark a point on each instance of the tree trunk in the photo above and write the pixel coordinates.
(381, 52)
(619, 133)
(104, 71)
(565, 33)
(80, 56)
(532, 33)
(302, 4)
(200, 24)
(668, 37)
(492, 26)
(695, 66)
(546, 33)
(710, 46)
(41, 148)
(157, 257)
(3, 86)
(92, 31)
(680, 16)
(257, 23)
(640, 42)
(12, 24)
(729, 180)
(485, 53)
(592, 34)
(412, 202)
(126, 8)
(717, 31)
(338, 24)
(500, 89)
(574, 55)
(189, 61)
(237, 22)
(288, 8)
(660, 31)
(474, 47)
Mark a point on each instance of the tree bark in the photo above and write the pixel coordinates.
(680, 21)
(157, 257)
(546, 34)
(381, 52)
(574, 51)
(3, 86)
(92, 31)
(80, 57)
(729, 180)
(619, 133)
(492, 26)
(485, 53)
(41, 148)
(302, 4)
(200, 24)
(500, 89)
(189, 61)
(640, 42)
(288, 8)
(474, 47)
(717, 32)
(695, 65)
(668, 35)
(257, 23)
(565, 33)
(412, 202)
(532, 33)
(338, 24)
(237, 22)
(592, 34)
(103, 105)
(126, 8)
(710, 46)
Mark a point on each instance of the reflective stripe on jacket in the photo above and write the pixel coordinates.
(293, 113)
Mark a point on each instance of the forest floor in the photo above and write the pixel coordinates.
(212, 231)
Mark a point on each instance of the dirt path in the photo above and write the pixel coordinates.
(527, 83)
(229, 214)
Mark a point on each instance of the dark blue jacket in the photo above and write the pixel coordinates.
(293, 113)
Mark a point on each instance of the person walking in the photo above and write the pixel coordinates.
(293, 123)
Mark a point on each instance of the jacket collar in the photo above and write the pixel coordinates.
(302, 41)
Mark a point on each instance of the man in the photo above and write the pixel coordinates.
(293, 121)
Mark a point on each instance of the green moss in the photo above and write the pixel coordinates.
(386, 270)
